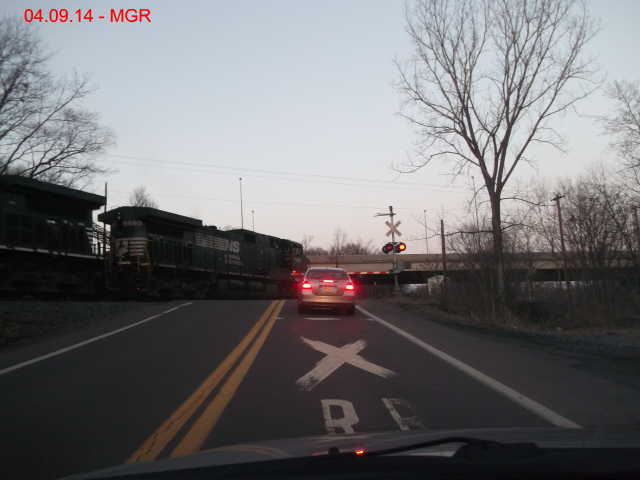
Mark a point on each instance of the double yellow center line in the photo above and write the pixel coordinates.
(195, 437)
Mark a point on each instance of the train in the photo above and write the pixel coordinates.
(49, 244)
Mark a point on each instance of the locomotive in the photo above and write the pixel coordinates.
(161, 254)
(49, 244)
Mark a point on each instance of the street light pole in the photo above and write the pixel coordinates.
(241, 206)
(253, 221)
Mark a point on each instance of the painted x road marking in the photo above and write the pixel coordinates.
(335, 358)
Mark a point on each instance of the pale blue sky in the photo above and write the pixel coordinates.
(296, 87)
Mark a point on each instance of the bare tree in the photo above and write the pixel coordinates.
(339, 240)
(624, 125)
(597, 219)
(340, 246)
(44, 133)
(306, 242)
(485, 79)
(316, 251)
(358, 247)
(141, 198)
(544, 216)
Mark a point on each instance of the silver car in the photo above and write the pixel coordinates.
(324, 287)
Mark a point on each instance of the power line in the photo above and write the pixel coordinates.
(261, 202)
(279, 173)
(295, 180)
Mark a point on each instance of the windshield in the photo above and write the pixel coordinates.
(229, 224)
(315, 274)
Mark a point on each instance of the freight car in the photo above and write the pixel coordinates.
(48, 243)
(162, 254)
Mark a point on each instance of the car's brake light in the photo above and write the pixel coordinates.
(306, 285)
(327, 280)
(349, 286)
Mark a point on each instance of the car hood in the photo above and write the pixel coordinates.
(626, 437)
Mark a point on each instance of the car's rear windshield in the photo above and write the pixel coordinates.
(318, 273)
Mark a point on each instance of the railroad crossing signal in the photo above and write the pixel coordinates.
(396, 247)
(393, 228)
(393, 246)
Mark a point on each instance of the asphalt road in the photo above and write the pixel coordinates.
(171, 379)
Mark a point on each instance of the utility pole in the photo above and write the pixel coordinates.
(104, 225)
(637, 225)
(564, 252)
(426, 233)
(241, 207)
(104, 239)
(443, 300)
(396, 286)
(475, 201)
(637, 252)
(253, 221)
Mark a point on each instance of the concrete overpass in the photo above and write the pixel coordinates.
(417, 268)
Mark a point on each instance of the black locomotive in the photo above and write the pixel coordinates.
(50, 245)
(159, 253)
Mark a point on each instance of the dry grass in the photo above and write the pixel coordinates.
(27, 319)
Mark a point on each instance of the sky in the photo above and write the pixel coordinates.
(298, 99)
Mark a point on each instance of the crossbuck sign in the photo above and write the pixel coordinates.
(393, 228)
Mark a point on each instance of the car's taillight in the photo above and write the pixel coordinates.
(349, 286)
(327, 280)
(306, 285)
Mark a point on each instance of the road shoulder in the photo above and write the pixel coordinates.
(552, 377)
(613, 352)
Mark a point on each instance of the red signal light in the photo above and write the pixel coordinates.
(306, 285)
(388, 248)
(400, 247)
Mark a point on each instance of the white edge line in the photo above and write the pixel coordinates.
(526, 402)
(83, 343)
(176, 308)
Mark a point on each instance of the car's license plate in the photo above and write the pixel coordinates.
(328, 290)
